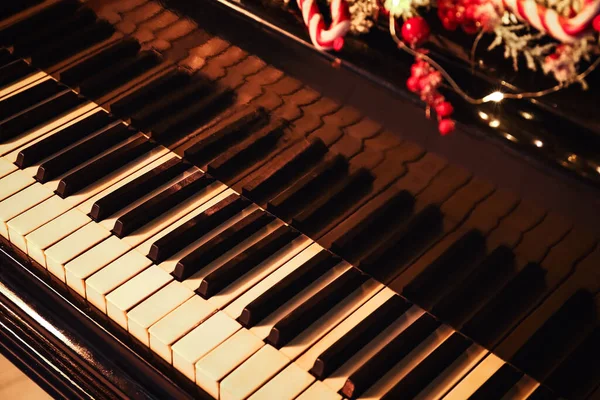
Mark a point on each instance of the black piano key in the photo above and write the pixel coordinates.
(430, 368)
(452, 265)
(493, 272)
(25, 45)
(161, 203)
(196, 227)
(244, 262)
(170, 101)
(14, 71)
(244, 123)
(63, 49)
(82, 152)
(40, 114)
(103, 166)
(543, 393)
(6, 57)
(191, 117)
(579, 374)
(546, 348)
(311, 218)
(502, 311)
(173, 80)
(358, 337)
(238, 157)
(137, 188)
(392, 353)
(287, 202)
(288, 287)
(280, 170)
(119, 74)
(354, 239)
(11, 8)
(61, 139)
(390, 258)
(314, 308)
(220, 244)
(498, 385)
(116, 53)
(52, 14)
(28, 98)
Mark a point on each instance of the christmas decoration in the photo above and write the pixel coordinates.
(326, 39)
(556, 37)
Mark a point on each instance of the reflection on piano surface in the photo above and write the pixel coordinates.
(180, 218)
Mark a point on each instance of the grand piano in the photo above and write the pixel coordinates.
(197, 203)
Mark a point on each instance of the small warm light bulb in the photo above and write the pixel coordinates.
(483, 116)
(598, 170)
(496, 97)
(526, 115)
(494, 123)
(538, 143)
(510, 137)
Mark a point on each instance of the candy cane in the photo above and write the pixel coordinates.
(547, 20)
(326, 39)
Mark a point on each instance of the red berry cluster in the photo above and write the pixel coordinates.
(470, 15)
(425, 81)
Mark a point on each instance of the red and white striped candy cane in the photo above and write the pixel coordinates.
(547, 20)
(326, 39)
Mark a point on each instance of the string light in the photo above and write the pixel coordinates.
(494, 123)
(494, 96)
(538, 143)
(483, 116)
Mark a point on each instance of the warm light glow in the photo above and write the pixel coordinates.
(598, 170)
(510, 137)
(483, 116)
(538, 143)
(495, 97)
(572, 158)
(494, 123)
(526, 115)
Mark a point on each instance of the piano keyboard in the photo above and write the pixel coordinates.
(261, 253)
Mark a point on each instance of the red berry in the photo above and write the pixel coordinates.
(470, 28)
(444, 109)
(446, 126)
(413, 84)
(415, 31)
(449, 24)
(596, 23)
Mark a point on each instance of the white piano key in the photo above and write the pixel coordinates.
(286, 385)
(139, 236)
(476, 378)
(92, 261)
(58, 122)
(133, 292)
(307, 360)
(144, 248)
(170, 263)
(454, 373)
(202, 339)
(72, 246)
(338, 378)
(522, 390)
(236, 307)
(21, 202)
(176, 324)
(252, 374)
(337, 314)
(27, 82)
(150, 311)
(193, 282)
(112, 276)
(263, 328)
(27, 222)
(249, 280)
(6, 167)
(319, 391)
(404, 366)
(14, 183)
(45, 236)
(217, 364)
